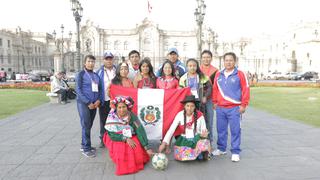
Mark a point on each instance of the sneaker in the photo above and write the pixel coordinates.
(63, 102)
(210, 156)
(235, 157)
(217, 152)
(90, 154)
(93, 149)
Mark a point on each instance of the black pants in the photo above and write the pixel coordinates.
(63, 93)
(103, 113)
(71, 94)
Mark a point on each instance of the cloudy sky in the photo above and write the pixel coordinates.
(230, 18)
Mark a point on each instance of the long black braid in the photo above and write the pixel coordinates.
(195, 116)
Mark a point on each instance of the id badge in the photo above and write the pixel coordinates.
(127, 133)
(94, 87)
(195, 93)
(189, 133)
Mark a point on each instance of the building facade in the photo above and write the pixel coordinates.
(295, 51)
(20, 52)
(147, 38)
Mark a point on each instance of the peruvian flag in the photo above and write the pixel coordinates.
(155, 108)
(149, 7)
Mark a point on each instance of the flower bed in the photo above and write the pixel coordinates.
(43, 86)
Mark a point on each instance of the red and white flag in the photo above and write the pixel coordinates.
(149, 7)
(155, 108)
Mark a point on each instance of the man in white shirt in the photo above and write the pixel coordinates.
(134, 60)
(106, 73)
(59, 87)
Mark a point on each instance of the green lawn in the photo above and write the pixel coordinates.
(300, 104)
(13, 101)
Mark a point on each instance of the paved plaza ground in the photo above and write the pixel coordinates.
(43, 143)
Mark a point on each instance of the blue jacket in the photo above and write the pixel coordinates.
(84, 87)
(231, 91)
(100, 73)
(179, 68)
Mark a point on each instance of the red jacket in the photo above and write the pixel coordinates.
(231, 91)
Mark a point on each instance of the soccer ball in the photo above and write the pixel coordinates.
(160, 161)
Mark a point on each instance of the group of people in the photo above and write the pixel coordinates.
(226, 91)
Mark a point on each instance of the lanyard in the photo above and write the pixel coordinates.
(112, 71)
(91, 78)
(196, 82)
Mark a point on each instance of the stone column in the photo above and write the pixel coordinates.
(57, 61)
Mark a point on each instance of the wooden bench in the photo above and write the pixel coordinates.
(54, 98)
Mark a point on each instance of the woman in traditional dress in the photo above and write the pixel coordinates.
(126, 138)
(193, 142)
(167, 78)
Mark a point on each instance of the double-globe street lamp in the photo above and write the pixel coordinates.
(77, 13)
(199, 14)
(60, 43)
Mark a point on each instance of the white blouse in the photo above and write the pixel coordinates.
(108, 76)
(178, 120)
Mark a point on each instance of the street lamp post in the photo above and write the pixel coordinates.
(199, 14)
(60, 48)
(215, 44)
(77, 13)
(62, 42)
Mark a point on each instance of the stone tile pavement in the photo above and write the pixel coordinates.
(43, 143)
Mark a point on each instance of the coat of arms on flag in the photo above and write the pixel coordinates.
(155, 108)
(149, 115)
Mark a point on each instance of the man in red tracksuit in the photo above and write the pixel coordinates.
(231, 96)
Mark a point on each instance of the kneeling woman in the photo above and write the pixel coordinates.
(193, 142)
(126, 138)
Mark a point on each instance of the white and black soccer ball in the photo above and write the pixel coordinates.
(160, 161)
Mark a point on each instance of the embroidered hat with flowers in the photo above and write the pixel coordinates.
(127, 100)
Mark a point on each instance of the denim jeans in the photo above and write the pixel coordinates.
(209, 118)
(86, 120)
